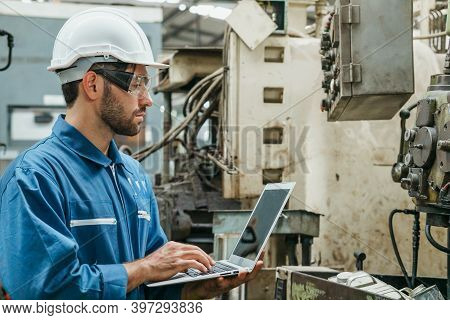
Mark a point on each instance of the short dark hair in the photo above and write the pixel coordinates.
(70, 89)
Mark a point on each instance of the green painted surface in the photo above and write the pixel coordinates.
(306, 291)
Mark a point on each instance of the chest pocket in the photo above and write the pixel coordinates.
(94, 226)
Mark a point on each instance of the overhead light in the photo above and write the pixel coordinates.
(204, 9)
(152, 1)
(160, 1)
(210, 11)
(220, 13)
(182, 7)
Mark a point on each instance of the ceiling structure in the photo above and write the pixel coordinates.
(192, 23)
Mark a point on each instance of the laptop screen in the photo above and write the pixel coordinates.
(260, 223)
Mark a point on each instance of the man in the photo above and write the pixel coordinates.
(79, 219)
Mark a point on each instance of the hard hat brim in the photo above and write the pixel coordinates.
(158, 65)
(155, 65)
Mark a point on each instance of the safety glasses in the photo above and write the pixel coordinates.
(134, 84)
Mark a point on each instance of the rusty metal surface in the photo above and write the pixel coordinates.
(303, 286)
(306, 287)
(310, 283)
(295, 222)
(307, 283)
(262, 287)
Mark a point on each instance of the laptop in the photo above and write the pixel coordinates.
(251, 243)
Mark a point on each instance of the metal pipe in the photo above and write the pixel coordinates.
(447, 25)
(291, 244)
(430, 36)
(306, 249)
(320, 8)
(167, 125)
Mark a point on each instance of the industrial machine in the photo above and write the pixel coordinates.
(263, 129)
(423, 167)
(368, 75)
(423, 163)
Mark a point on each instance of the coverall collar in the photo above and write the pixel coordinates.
(77, 142)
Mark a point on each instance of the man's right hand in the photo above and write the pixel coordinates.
(165, 262)
(176, 257)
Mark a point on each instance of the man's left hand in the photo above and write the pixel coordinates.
(211, 288)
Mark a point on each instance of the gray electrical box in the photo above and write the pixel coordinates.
(367, 59)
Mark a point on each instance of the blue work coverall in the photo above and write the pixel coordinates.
(71, 216)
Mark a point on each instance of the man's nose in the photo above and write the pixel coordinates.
(145, 100)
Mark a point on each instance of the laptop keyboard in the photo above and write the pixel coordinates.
(217, 268)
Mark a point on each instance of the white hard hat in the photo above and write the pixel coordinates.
(99, 35)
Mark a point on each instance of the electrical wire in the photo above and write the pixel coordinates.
(200, 121)
(197, 89)
(416, 242)
(206, 182)
(394, 245)
(10, 40)
(433, 242)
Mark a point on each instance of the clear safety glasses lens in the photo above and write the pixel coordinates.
(134, 84)
(139, 86)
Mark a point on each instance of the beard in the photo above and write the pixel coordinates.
(113, 114)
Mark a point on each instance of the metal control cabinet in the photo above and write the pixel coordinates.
(367, 59)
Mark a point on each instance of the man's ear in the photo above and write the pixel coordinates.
(92, 85)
